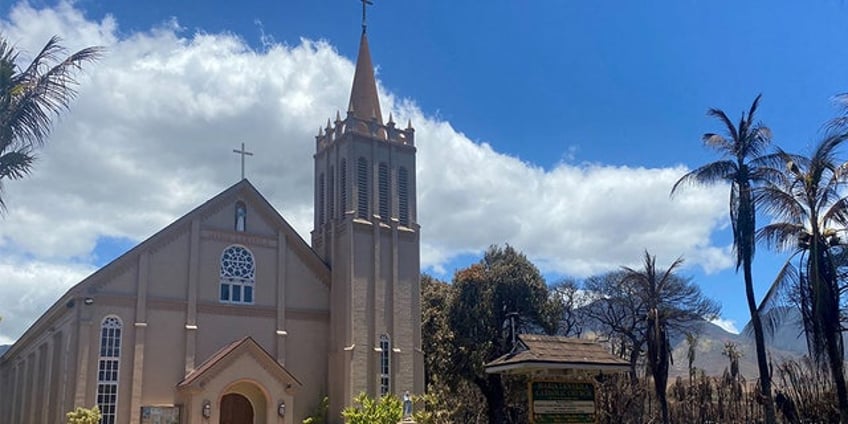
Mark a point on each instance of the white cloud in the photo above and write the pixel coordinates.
(29, 287)
(151, 134)
(728, 325)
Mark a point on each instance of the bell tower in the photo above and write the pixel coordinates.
(366, 229)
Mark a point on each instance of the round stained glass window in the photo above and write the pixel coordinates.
(237, 262)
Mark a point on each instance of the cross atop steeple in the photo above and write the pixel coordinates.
(243, 153)
(365, 3)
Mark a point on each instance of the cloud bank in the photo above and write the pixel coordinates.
(151, 133)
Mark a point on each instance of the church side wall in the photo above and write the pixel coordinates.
(37, 376)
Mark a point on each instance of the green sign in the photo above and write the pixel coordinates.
(555, 402)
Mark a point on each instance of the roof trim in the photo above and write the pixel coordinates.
(552, 365)
(221, 359)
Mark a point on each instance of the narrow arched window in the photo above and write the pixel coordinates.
(240, 217)
(385, 364)
(403, 197)
(107, 369)
(362, 188)
(383, 186)
(343, 187)
(238, 274)
(320, 205)
(331, 198)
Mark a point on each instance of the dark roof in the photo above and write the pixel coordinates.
(537, 352)
(246, 343)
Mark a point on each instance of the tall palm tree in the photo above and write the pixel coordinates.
(30, 98)
(671, 304)
(739, 167)
(810, 208)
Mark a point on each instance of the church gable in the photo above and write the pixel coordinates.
(233, 354)
(238, 216)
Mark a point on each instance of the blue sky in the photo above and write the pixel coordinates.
(584, 103)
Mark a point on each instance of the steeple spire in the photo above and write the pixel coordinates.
(364, 103)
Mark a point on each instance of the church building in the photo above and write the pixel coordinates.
(228, 316)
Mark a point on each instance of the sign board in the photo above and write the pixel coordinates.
(160, 415)
(556, 402)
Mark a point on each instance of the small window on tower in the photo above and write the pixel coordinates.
(385, 364)
(241, 217)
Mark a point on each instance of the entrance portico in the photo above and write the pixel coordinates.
(240, 384)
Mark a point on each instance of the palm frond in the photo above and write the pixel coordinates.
(711, 173)
(718, 143)
(775, 297)
(781, 203)
(728, 124)
(43, 90)
(754, 105)
(839, 123)
(837, 212)
(781, 235)
(15, 165)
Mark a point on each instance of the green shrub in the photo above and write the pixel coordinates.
(319, 414)
(385, 410)
(84, 416)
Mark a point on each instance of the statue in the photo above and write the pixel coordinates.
(407, 404)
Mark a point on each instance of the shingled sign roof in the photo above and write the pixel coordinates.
(536, 352)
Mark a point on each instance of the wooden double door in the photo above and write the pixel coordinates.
(236, 409)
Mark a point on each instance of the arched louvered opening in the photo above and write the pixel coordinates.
(342, 187)
(403, 197)
(383, 187)
(362, 188)
(320, 204)
(331, 198)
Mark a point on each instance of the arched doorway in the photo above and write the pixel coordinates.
(236, 409)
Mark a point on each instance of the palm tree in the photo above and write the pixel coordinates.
(30, 98)
(671, 304)
(809, 210)
(739, 167)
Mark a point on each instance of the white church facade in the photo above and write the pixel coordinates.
(228, 316)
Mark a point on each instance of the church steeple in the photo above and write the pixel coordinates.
(364, 103)
(366, 230)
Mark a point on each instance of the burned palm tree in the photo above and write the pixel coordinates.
(671, 304)
(739, 167)
(810, 210)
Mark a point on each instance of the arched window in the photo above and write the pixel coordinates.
(320, 204)
(383, 174)
(240, 217)
(108, 367)
(385, 364)
(331, 201)
(343, 187)
(362, 188)
(238, 273)
(403, 197)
